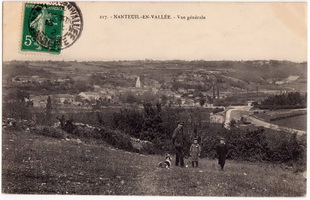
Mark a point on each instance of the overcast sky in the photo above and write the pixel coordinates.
(231, 31)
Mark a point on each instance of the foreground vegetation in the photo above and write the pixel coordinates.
(36, 164)
(155, 125)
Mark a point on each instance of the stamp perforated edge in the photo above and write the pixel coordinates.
(21, 27)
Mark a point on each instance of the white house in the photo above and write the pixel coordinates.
(89, 95)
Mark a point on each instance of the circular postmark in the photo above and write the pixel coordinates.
(72, 21)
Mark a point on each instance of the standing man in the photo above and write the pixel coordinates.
(178, 140)
(221, 150)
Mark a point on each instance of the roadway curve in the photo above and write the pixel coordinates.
(262, 123)
(237, 111)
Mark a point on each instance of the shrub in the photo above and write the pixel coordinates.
(117, 139)
(156, 125)
(86, 133)
(216, 110)
(50, 132)
(286, 147)
(128, 120)
(259, 145)
(284, 101)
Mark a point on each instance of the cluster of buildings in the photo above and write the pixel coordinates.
(37, 79)
(108, 94)
(181, 97)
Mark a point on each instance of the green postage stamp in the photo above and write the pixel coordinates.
(42, 28)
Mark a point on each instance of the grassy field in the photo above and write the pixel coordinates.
(267, 115)
(298, 122)
(35, 164)
(289, 121)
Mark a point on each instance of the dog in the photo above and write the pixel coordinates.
(167, 163)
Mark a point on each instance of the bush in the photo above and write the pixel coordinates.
(259, 145)
(216, 110)
(117, 139)
(50, 132)
(82, 132)
(285, 101)
(17, 110)
(150, 149)
(128, 120)
(286, 148)
(156, 124)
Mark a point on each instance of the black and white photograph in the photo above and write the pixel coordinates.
(158, 99)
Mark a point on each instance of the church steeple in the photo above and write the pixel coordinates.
(138, 83)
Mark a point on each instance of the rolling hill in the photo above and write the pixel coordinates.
(35, 164)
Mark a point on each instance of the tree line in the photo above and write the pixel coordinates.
(284, 101)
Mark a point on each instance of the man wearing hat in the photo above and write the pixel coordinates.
(178, 140)
(221, 150)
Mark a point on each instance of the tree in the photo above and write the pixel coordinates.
(17, 95)
(202, 101)
(81, 86)
(48, 108)
(149, 96)
(179, 101)
(285, 100)
(210, 100)
(152, 123)
(131, 98)
(164, 99)
(15, 104)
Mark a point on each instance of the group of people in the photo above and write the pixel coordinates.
(179, 139)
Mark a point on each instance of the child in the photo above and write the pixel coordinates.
(195, 152)
(221, 150)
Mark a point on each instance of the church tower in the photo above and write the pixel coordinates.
(138, 82)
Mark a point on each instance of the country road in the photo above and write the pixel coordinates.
(236, 112)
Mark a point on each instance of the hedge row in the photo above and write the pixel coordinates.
(278, 107)
(259, 145)
(115, 138)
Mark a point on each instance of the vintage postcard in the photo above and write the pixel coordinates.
(154, 99)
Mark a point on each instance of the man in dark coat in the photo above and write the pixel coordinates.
(221, 150)
(178, 140)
